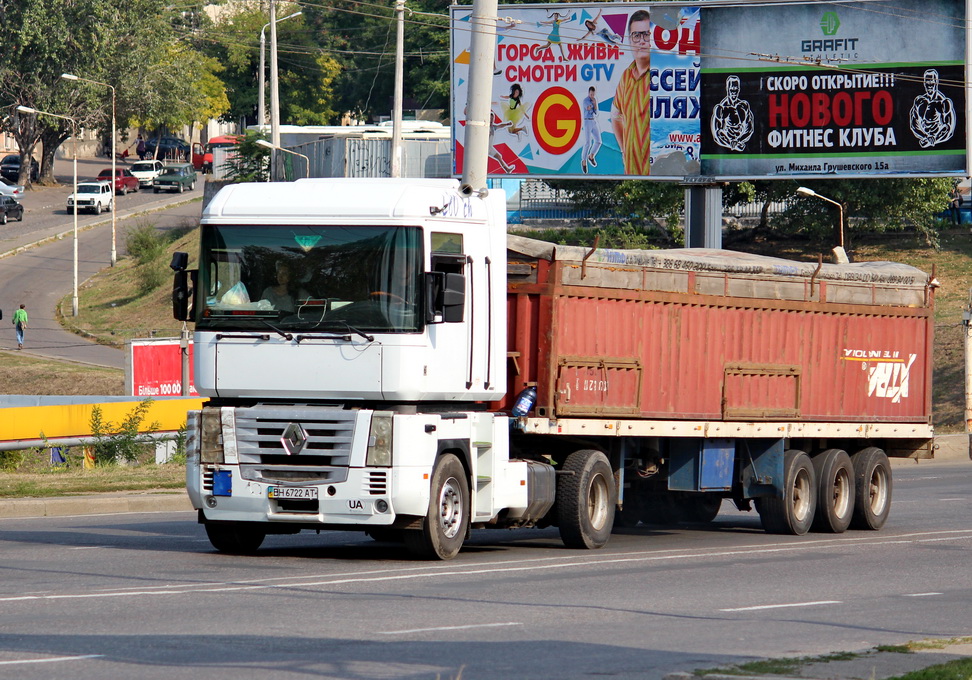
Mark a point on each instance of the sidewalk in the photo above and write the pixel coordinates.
(159, 500)
(868, 665)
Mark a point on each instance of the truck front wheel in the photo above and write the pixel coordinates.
(792, 514)
(448, 518)
(235, 538)
(835, 491)
(586, 499)
(872, 488)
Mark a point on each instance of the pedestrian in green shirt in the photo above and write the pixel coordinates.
(20, 323)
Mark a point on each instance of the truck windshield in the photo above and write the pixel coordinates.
(310, 278)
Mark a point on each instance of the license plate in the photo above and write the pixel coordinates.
(296, 493)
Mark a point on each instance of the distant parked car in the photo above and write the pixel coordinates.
(169, 147)
(176, 177)
(12, 209)
(92, 196)
(8, 188)
(125, 181)
(146, 171)
(10, 167)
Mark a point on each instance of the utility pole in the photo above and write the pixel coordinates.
(274, 83)
(482, 50)
(396, 159)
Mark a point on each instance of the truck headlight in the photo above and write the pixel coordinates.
(211, 436)
(380, 439)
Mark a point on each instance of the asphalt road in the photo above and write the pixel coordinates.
(40, 275)
(145, 596)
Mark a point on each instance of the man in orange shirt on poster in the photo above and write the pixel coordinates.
(631, 114)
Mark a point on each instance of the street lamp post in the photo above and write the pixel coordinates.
(74, 130)
(270, 145)
(261, 94)
(839, 233)
(114, 177)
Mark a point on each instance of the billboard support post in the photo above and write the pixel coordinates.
(703, 216)
(184, 356)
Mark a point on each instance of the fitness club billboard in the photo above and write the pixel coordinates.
(722, 91)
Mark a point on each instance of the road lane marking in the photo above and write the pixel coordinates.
(921, 594)
(430, 630)
(781, 606)
(51, 660)
(499, 567)
(87, 547)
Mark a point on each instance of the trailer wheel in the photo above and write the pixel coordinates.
(792, 514)
(448, 518)
(702, 507)
(235, 538)
(660, 507)
(872, 488)
(586, 499)
(835, 491)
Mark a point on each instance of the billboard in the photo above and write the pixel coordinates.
(155, 368)
(722, 90)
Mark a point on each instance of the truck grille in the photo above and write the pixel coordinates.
(321, 454)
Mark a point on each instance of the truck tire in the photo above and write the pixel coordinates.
(448, 518)
(235, 538)
(97, 210)
(586, 499)
(835, 491)
(872, 489)
(792, 514)
(700, 507)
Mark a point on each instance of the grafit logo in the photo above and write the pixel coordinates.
(829, 23)
(830, 47)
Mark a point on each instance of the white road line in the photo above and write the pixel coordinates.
(492, 568)
(52, 659)
(921, 594)
(87, 547)
(951, 500)
(781, 606)
(429, 630)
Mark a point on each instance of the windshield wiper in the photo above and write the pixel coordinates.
(285, 335)
(345, 324)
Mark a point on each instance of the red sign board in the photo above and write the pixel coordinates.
(155, 368)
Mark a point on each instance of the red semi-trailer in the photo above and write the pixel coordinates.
(698, 370)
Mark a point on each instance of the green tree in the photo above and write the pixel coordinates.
(362, 40)
(305, 71)
(97, 40)
(649, 206)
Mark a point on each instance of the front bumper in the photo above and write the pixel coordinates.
(364, 499)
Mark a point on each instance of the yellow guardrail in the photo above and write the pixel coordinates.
(68, 421)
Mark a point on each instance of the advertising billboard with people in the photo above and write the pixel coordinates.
(722, 90)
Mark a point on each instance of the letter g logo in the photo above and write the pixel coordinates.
(556, 120)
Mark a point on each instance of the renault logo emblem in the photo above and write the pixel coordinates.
(294, 438)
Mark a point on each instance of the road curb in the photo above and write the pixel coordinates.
(94, 505)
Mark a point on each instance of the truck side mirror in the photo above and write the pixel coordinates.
(183, 284)
(445, 297)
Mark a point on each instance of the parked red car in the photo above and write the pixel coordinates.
(125, 181)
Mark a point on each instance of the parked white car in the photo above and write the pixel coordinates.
(93, 196)
(12, 189)
(146, 171)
